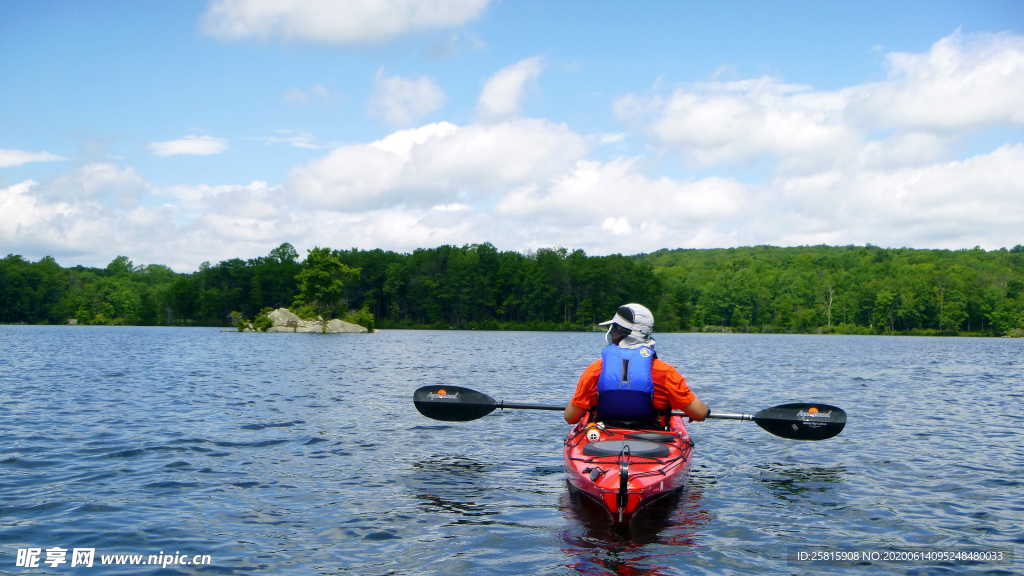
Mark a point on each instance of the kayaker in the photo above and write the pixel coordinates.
(629, 383)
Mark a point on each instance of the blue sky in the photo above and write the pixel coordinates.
(180, 132)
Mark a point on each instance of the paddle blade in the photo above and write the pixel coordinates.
(452, 403)
(802, 421)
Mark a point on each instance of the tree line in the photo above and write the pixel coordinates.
(843, 289)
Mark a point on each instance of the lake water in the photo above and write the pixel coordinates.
(303, 454)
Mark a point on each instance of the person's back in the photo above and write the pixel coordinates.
(625, 386)
(629, 383)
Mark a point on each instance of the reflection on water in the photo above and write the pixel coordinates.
(451, 486)
(652, 543)
(787, 481)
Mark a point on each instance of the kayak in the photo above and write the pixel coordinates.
(624, 470)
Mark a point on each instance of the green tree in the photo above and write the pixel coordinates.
(322, 282)
(120, 266)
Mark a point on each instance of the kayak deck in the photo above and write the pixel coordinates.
(624, 469)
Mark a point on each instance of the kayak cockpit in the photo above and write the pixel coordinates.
(637, 448)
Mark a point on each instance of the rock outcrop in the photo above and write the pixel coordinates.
(285, 321)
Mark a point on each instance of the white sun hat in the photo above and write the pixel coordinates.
(638, 319)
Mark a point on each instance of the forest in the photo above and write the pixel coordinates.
(810, 289)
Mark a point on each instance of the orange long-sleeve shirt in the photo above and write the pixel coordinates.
(670, 389)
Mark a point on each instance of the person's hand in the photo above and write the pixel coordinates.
(697, 411)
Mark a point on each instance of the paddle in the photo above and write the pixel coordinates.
(793, 421)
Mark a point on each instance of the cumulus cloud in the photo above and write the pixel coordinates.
(189, 146)
(23, 210)
(326, 21)
(961, 83)
(37, 223)
(597, 191)
(616, 226)
(254, 200)
(403, 101)
(900, 150)
(502, 95)
(526, 182)
(614, 207)
(438, 163)
(955, 204)
(723, 122)
(179, 226)
(99, 182)
(10, 158)
(601, 207)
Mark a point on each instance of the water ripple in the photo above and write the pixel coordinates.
(150, 439)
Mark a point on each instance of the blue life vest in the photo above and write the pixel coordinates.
(625, 388)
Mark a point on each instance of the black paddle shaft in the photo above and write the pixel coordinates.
(514, 406)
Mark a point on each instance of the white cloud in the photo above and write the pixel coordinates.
(502, 95)
(605, 206)
(9, 158)
(977, 201)
(396, 228)
(617, 226)
(327, 21)
(189, 146)
(37, 224)
(403, 101)
(179, 227)
(22, 210)
(907, 149)
(438, 163)
(98, 182)
(601, 207)
(453, 207)
(732, 121)
(962, 83)
(254, 200)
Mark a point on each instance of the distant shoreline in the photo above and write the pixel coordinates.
(914, 334)
(760, 289)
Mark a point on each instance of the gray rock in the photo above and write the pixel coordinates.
(340, 326)
(285, 321)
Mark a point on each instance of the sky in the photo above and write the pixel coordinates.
(181, 132)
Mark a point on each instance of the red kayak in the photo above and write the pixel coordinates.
(624, 469)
